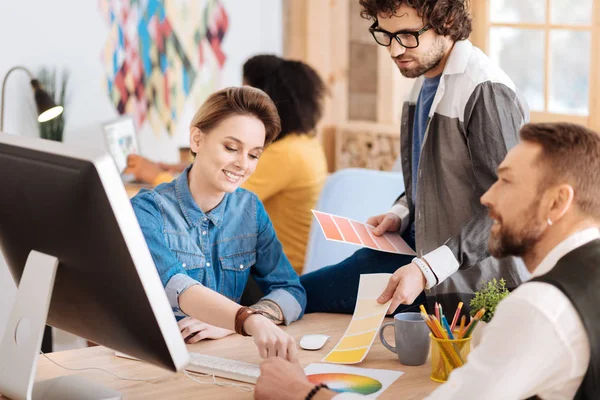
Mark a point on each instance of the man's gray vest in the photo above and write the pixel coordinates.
(577, 275)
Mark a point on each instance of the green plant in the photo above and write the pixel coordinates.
(488, 298)
(56, 86)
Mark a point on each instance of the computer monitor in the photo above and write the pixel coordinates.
(121, 140)
(68, 233)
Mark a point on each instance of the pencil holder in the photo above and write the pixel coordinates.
(446, 355)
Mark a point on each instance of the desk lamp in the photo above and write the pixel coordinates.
(46, 107)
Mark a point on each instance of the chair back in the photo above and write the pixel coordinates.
(355, 193)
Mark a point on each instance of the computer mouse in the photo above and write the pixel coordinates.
(314, 341)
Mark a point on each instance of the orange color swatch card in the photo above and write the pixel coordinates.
(346, 229)
(341, 229)
(329, 227)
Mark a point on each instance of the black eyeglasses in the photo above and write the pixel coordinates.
(407, 39)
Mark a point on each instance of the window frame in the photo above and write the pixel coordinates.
(480, 37)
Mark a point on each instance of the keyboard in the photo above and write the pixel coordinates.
(224, 368)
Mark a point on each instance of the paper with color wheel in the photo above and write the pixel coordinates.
(345, 379)
(366, 320)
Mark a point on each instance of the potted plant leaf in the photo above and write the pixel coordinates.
(55, 85)
(488, 297)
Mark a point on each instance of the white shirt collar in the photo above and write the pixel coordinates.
(459, 58)
(574, 241)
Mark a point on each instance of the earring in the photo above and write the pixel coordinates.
(549, 222)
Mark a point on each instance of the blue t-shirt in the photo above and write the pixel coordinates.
(424, 102)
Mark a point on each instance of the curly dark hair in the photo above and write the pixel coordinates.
(446, 17)
(295, 87)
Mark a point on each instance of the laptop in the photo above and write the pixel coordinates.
(121, 140)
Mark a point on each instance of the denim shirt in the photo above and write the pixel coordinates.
(219, 249)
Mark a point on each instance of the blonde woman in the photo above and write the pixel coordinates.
(207, 235)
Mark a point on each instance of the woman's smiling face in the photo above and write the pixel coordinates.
(228, 154)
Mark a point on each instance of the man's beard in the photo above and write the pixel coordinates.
(508, 242)
(426, 62)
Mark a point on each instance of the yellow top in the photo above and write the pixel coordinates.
(288, 179)
(163, 177)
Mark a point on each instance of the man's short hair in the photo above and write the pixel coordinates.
(570, 154)
(446, 17)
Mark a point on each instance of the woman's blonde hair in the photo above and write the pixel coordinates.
(244, 100)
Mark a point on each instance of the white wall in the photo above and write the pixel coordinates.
(255, 26)
(72, 34)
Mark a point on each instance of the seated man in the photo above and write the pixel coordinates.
(543, 339)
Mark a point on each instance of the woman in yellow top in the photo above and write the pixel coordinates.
(293, 169)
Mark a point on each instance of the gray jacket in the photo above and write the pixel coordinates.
(474, 120)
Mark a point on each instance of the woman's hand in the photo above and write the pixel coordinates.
(270, 339)
(173, 168)
(143, 169)
(194, 331)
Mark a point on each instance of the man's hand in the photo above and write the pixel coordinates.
(270, 339)
(281, 380)
(194, 330)
(404, 287)
(383, 223)
(143, 169)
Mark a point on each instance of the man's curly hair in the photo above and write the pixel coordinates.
(446, 17)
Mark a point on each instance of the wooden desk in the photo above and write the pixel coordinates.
(414, 384)
(132, 189)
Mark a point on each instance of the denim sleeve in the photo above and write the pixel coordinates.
(171, 271)
(273, 272)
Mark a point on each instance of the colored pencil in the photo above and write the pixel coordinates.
(428, 323)
(473, 323)
(447, 327)
(439, 327)
(432, 326)
(456, 314)
(463, 320)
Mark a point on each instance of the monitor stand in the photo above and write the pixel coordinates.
(20, 347)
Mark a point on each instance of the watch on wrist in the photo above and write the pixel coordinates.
(241, 316)
(430, 279)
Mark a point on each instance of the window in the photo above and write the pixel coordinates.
(550, 49)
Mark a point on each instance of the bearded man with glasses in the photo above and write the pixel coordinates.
(458, 123)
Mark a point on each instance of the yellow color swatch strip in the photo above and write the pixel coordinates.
(369, 307)
(346, 357)
(356, 341)
(363, 325)
(354, 346)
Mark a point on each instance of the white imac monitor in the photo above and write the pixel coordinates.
(74, 247)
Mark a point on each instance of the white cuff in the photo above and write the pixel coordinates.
(442, 262)
(429, 276)
(402, 212)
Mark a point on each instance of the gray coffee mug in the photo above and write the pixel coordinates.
(412, 338)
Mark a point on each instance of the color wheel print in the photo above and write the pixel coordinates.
(347, 383)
